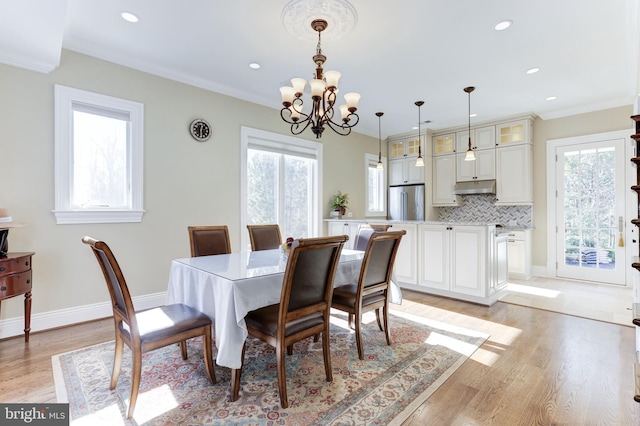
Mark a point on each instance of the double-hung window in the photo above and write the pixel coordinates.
(376, 180)
(281, 183)
(98, 158)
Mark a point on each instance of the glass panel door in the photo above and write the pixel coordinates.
(590, 206)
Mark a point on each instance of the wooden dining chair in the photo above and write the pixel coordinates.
(149, 329)
(209, 240)
(364, 233)
(264, 237)
(304, 305)
(371, 292)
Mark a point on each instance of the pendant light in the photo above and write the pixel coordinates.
(471, 156)
(419, 160)
(379, 166)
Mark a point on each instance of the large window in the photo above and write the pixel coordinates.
(376, 186)
(98, 160)
(281, 183)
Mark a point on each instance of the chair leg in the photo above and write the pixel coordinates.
(316, 338)
(208, 354)
(117, 362)
(358, 316)
(326, 353)
(385, 318)
(290, 350)
(235, 378)
(183, 349)
(136, 371)
(282, 375)
(351, 321)
(378, 319)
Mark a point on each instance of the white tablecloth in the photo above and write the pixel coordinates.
(227, 287)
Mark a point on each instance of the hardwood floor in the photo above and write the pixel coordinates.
(536, 368)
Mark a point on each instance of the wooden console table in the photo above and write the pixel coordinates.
(15, 279)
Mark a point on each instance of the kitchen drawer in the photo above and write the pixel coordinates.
(13, 284)
(16, 264)
(517, 235)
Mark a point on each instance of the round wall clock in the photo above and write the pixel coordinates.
(200, 129)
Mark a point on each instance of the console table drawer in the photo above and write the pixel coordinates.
(16, 264)
(11, 285)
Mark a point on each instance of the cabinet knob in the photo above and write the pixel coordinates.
(3, 268)
(28, 281)
(3, 288)
(26, 263)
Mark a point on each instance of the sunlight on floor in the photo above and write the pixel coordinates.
(150, 404)
(536, 291)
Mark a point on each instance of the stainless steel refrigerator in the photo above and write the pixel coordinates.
(406, 202)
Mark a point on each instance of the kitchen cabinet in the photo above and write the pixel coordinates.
(514, 175)
(513, 133)
(406, 264)
(405, 147)
(403, 171)
(444, 180)
(339, 227)
(464, 262)
(483, 168)
(444, 144)
(481, 138)
(519, 254)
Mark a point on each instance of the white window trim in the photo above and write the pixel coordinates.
(64, 99)
(370, 159)
(256, 137)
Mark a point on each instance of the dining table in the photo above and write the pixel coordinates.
(227, 286)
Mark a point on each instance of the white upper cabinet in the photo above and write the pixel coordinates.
(444, 180)
(513, 133)
(405, 147)
(403, 171)
(514, 177)
(483, 168)
(481, 138)
(444, 144)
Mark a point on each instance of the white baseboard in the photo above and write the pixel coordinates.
(15, 326)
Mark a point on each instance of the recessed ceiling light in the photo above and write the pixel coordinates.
(503, 25)
(533, 70)
(551, 98)
(254, 65)
(129, 17)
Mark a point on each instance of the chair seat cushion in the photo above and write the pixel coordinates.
(265, 320)
(158, 323)
(346, 295)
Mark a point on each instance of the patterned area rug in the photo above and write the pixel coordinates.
(384, 388)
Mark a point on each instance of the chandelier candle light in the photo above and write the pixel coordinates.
(470, 156)
(419, 160)
(324, 88)
(379, 166)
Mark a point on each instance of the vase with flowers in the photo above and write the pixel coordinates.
(339, 203)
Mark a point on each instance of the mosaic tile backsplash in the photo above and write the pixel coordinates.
(482, 208)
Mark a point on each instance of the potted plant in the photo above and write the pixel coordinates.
(339, 202)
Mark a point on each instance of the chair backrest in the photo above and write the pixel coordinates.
(209, 240)
(264, 237)
(364, 233)
(308, 279)
(379, 258)
(120, 297)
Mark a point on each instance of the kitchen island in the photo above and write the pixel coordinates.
(466, 261)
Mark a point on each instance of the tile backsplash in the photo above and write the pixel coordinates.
(482, 208)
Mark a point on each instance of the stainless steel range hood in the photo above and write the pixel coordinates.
(475, 187)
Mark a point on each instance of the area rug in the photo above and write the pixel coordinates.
(384, 388)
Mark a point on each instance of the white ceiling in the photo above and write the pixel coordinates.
(399, 52)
